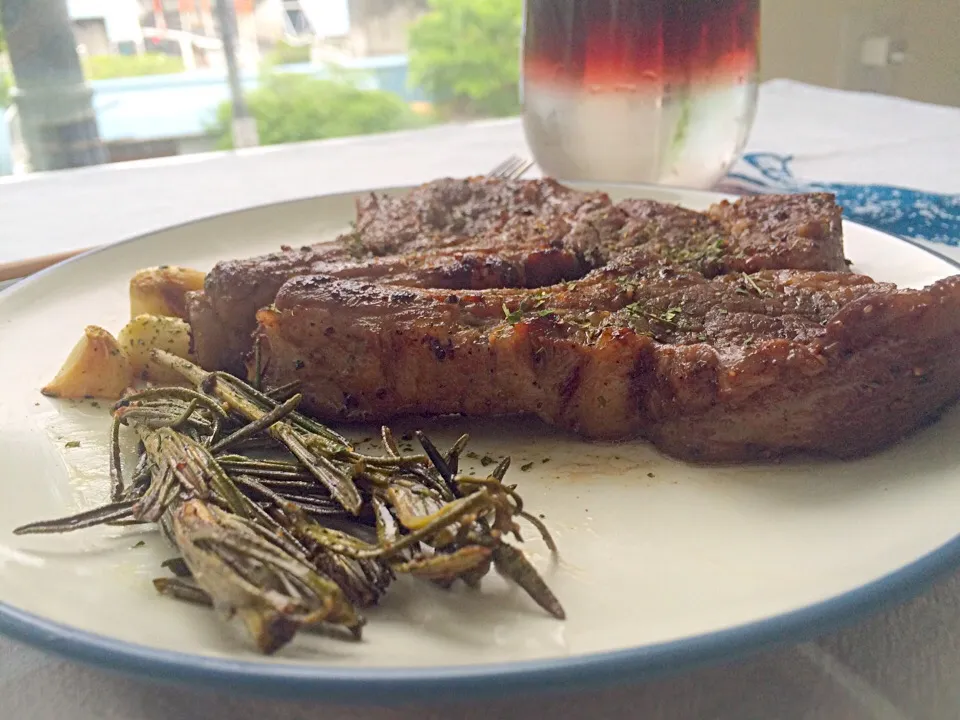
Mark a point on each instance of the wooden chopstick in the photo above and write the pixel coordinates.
(22, 268)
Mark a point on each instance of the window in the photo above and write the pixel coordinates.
(158, 81)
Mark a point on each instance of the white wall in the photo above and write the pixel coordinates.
(121, 17)
(821, 41)
(931, 68)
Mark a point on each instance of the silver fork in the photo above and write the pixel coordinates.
(512, 168)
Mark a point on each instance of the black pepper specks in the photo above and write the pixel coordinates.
(404, 297)
(441, 350)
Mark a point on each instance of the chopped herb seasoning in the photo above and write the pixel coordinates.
(511, 317)
(636, 309)
(667, 317)
(72, 444)
(487, 460)
(670, 314)
(526, 467)
(140, 544)
(748, 284)
(539, 300)
(354, 245)
(708, 251)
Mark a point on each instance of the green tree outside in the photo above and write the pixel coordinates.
(291, 107)
(466, 55)
(286, 54)
(108, 67)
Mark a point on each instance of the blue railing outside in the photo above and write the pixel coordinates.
(6, 161)
(184, 104)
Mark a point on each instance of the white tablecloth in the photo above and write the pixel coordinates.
(901, 663)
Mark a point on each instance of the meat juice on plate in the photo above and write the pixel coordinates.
(659, 91)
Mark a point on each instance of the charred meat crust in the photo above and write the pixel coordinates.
(726, 335)
(708, 369)
(481, 233)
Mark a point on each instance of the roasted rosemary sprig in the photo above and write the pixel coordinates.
(308, 533)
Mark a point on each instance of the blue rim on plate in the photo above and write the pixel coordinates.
(394, 685)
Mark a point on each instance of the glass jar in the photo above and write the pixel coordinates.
(655, 91)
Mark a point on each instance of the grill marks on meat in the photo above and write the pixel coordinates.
(725, 335)
(483, 233)
(407, 238)
(708, 369)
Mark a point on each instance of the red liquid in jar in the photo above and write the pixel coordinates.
(639, 90)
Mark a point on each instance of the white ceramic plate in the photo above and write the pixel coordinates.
(663, 564)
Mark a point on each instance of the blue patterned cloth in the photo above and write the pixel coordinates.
(899, 211)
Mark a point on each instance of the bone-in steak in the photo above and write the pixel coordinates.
(725, 335)
(729, 368)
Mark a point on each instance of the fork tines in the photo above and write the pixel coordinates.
(512, 168)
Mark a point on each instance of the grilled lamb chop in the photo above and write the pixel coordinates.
(483, 233)
(727, 368)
